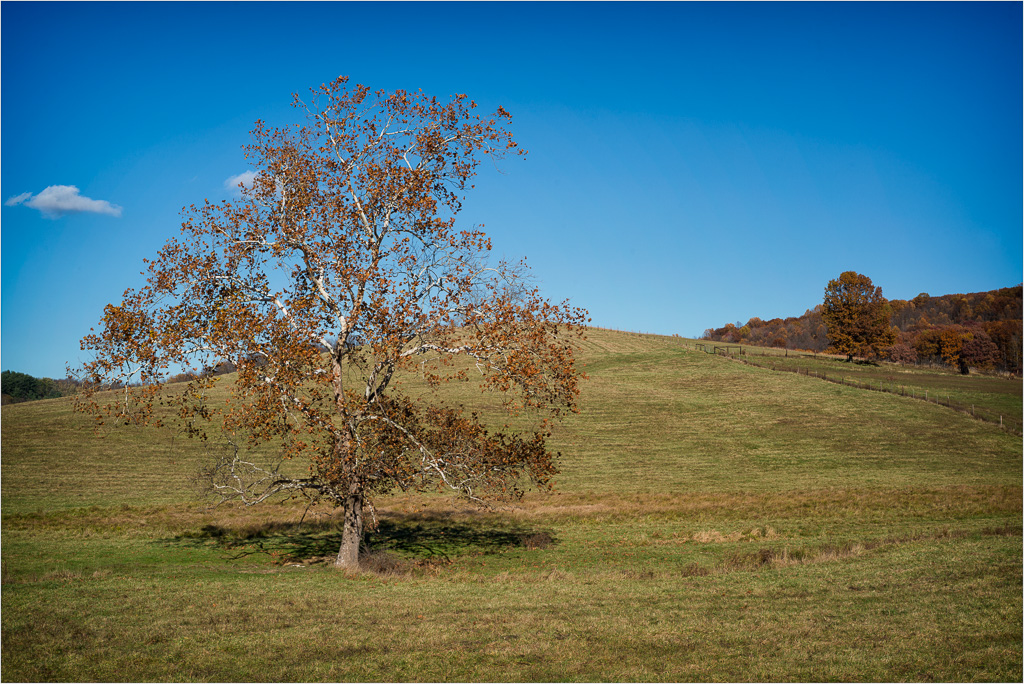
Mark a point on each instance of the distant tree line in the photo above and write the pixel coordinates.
(980, 330)
(18, 387)
(219, 368)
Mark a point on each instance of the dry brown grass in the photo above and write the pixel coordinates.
(953, 501)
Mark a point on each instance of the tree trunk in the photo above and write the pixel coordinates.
(352, 532)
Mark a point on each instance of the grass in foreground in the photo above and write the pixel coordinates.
(744, 596)
(713, 522)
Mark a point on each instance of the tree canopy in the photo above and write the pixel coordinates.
(339, 269)
(857, 316)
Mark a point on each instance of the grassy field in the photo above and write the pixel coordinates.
(991, 397)
(712, 521)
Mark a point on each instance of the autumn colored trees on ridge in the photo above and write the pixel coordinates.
(977, 330)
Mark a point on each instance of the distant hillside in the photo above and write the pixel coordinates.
(987, 325)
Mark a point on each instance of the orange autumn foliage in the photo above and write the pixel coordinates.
(339, 268)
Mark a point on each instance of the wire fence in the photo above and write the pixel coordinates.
(1012, 424)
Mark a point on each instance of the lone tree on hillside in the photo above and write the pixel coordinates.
(339, 268)
(856, 316)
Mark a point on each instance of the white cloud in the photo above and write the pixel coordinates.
(17, 199)
(57, 200)
(246, 178)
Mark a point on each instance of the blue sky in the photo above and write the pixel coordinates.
(690, 164)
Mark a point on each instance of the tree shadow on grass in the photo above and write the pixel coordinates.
(418, 538)
(425, 537)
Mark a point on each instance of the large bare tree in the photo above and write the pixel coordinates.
(338, 270)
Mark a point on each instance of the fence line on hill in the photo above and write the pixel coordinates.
(639, 332)
(1004, 421)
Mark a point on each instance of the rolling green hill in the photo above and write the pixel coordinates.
(712, 521)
